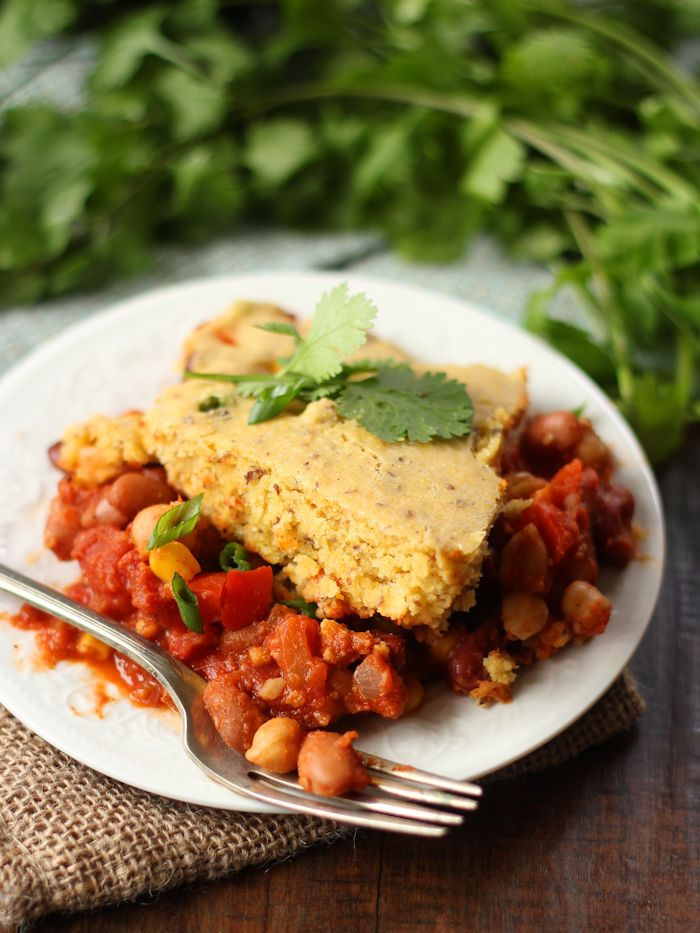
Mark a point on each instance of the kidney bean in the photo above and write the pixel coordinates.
(579, 562)
(131, 492)
(464, 664)
(611, 524)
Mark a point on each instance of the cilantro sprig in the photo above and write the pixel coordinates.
(567, 130)
(387, 398)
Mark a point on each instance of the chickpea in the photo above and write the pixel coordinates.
(132, 492)
(523, 614)
(585, 608)
(145, 521)
(276, 745)
(329, 765)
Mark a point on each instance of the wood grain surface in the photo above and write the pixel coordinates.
(608, 842)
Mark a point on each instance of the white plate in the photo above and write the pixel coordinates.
(119, 360)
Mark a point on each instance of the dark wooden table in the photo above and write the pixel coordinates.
(609, 841)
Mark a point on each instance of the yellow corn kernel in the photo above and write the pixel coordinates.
(90, 647)
(172, 558)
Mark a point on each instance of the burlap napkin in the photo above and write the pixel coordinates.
(71, 839)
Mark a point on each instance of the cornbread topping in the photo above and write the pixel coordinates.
(308, 569)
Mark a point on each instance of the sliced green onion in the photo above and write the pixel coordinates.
(234, 557)
(209, 403)
(187, 603)
(577, 412)
(309, 609)
(176, 522)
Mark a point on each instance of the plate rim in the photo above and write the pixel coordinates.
(102, 319)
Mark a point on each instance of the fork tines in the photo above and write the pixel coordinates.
(405, 800)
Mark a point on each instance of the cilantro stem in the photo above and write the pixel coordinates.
(618, 337)
(635, 44)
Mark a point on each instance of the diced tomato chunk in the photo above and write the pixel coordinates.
(184, 644)
(558, 530)
(295, 644)
(246, 597)
(209, 587)
(564, 488)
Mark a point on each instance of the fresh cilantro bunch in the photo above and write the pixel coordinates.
(387, 398)
(564, 129)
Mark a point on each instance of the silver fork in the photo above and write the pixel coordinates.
(403, 799)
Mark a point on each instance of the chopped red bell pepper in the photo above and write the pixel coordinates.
(565, 485)
(208, 588)
(558, 529)
(246, 597)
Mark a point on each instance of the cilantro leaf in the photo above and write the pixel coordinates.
(339, 328)
(399, 404)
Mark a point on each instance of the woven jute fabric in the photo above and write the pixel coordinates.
(71, 839)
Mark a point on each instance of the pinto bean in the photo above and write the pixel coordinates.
(132, 492)
(236, 716)
(585, 607)
(523, 485)
(329, 765)
(550, 440)
(100, 511)
(276, 745)
(62, 525)
(525, 563)
(523, 614)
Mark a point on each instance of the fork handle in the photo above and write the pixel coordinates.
(180, 681)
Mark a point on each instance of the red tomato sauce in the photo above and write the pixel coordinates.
(562, 518)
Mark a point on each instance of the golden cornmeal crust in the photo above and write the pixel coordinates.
(100, 448)
(359, 526)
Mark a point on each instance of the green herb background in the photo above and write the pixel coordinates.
(566, 130)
